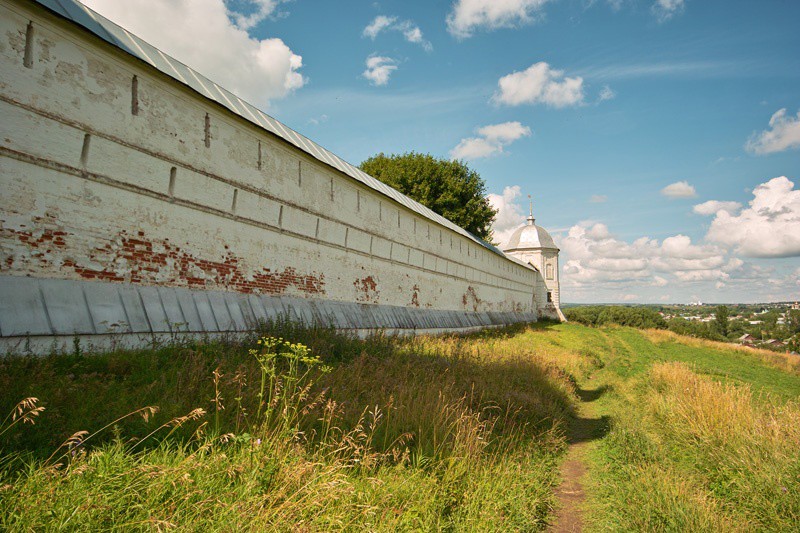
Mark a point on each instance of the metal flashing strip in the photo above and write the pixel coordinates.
(51, 308)
(122, 39)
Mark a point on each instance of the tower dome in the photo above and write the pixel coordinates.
(530, 237)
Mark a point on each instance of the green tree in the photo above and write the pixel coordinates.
(449, 188)
(793, 321)
(721, 315)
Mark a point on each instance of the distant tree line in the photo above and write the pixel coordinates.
(601, 315)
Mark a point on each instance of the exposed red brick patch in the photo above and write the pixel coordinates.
(367, 290)
(137, 259)
(470, 299)
(415, 296)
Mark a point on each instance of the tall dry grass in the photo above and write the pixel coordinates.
(701, 455)
(316, 432)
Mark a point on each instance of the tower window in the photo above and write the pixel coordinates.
(549, 297)
(549, 271)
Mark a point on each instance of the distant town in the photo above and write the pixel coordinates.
(773, 326)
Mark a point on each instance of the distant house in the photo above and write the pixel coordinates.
(747, 339)
(775, 343)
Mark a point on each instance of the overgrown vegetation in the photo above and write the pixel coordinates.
(298, 428)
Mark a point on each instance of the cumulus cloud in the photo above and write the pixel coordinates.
(379, 69)
(658, 281)
(510, 215)
(784, 134)
(410, 31)
(539, 84)
(595, 257)
(769, 227)
(467, 16)
(666, 9)
(210, 38)
(378, 24)
(598, 198)
(491, 140)
(679, 189)
(713, 206)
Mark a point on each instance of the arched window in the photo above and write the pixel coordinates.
(549, 270)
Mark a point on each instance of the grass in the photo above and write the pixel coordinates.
(313, 430)
(444, 433)
(704, 437)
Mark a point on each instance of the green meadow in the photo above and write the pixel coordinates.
(298, 429)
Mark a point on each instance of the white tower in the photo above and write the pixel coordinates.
(533, 245)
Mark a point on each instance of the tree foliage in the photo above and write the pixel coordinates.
(600, 315)
(721, 322)
(449, 188)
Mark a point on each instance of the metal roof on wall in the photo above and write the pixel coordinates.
(135, 46)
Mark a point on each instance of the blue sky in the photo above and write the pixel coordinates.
(592, 107)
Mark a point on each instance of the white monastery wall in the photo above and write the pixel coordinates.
(112, 172)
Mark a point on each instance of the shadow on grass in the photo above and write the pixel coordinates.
(588, 429)
(590, 395)
(412, 381)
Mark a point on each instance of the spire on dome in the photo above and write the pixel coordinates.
(530, 218)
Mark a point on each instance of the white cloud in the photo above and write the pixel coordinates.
(413, 34)
(769, 227)
(595, 257)
(666, 9)
(630, 297)
(260, 10)
(606, 94)
(467, 16)
(539, 84)
(208, 37)
(510, 215)
(679, 189)
(491, 140)
(598, 198)
(504, 133)
(711, 207)
(410, 31)
(379, 69)
(784, 134)
(378, 24)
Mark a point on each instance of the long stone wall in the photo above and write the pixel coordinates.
(116, 174)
